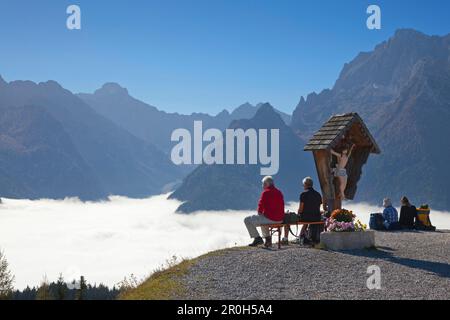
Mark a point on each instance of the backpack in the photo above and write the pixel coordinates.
(290, 218)
(423, 221)
(376, 221)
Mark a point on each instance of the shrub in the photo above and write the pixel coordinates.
(342, 215)
(343, 220)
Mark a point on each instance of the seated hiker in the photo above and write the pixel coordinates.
(390, 215)
(423, 221)
(270, 211)
(408, 214)
(308, 211)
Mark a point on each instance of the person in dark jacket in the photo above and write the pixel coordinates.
(270, 211)
(408, 214)
(308, 211)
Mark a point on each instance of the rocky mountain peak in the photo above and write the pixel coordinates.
(391, 62)
(401, 90)
(51, 85)
(268, 117)
(223, 113)
(111, 88)
(409, 34)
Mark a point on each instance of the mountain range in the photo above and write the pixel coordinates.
(402, 90)
(237, 187)
(153, 125)
(55, 144)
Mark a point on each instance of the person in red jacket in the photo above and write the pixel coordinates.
(270, 211)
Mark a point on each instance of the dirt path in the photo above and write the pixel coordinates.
(414, 265)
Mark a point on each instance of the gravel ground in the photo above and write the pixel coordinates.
(414, 265)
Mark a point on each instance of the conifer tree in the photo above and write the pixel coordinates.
(81, 294)
(6, 278)
(61, 288)
(43, 292)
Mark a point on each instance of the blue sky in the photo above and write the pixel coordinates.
(201, 55)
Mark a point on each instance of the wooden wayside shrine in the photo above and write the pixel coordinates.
(340, 133)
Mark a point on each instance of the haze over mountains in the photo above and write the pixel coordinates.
(402, 91)
(237, 187)
(153, 125)
(53, 144)
(56, 144)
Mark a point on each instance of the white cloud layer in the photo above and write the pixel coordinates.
(107, 241)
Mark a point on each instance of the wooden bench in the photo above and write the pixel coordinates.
(274, 228)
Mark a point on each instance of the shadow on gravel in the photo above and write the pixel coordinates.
(438, 268)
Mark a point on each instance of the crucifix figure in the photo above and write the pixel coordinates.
(340, 171)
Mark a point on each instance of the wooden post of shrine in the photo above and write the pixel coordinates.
(339, 134)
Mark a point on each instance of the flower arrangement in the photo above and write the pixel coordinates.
(336, 226)
(359, 226)
(342, 215)
(342, 220)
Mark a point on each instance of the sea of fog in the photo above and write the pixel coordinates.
(107, 241)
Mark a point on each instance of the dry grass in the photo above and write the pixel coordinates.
(161, 285)
(166, 283)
